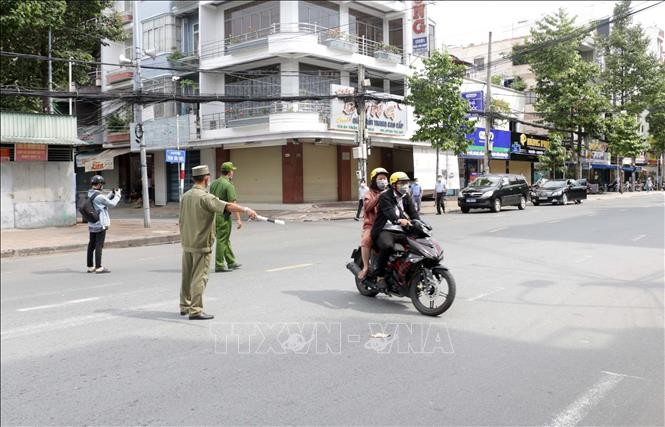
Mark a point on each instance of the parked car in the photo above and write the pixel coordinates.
(494, 191)
(583, 183)
(559, 191)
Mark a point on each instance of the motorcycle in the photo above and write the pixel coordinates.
(413, 271)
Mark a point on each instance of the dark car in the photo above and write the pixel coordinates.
(559, 191)
(493, 192)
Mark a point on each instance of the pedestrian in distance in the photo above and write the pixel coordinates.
(416, 193)
(223, 188)
(649, 184)
(440, 189)
(100, 203)
(362, 190)
(198, 210)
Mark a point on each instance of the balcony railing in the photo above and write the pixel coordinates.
(327, 36)
(236, 114)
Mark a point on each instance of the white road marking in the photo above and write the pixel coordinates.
(623, 375)
(497, 229)
(638, 237)
(554, 221)
(74, 301)
(71, 322)
(579, 409)
(290, 267)
(485, 294)
(62, 291)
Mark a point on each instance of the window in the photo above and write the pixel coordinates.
(316, 80)
(479, 63)
(367, 26)
(256, 83)
(396, 33)
(251, 17)
(161, 33)
(321, 14)
(129, 48)
(431, 38)
(195, 37)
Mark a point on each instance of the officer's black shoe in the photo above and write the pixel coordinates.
(201, 316)
(183, 313)
(234, 266)
(222, 270)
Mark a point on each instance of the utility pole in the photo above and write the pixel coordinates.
(138, 119)
(70, 86)
(362, 122)
(488, 100)
(50, 73)
(181, 165)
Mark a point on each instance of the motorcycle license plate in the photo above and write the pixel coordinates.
(471, 200)
(543, 198)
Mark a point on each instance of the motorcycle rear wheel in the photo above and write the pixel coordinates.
(362, 288)
(424, 296)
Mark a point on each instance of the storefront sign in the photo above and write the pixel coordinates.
(499, 144)
(384, 117)
(529, 144)
(175, 156)
(30, 152)
(98, 164)
(598, 157)
(419, 28)
(476, 100)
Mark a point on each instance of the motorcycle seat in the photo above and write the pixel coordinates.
(399, 247)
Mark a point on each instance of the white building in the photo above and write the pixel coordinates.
(290, 152)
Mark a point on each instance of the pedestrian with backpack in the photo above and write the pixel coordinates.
(98, 226)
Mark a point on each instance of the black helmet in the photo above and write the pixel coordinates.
(97, 179)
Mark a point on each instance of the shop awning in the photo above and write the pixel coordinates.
(625, 168)
(99, 161)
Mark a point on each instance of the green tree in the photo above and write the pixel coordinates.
(656, 115)
(78, 29)
(497, 80)
(554, 159)
(501, 107)
(624, 137)
(439, 108)
(566, 84)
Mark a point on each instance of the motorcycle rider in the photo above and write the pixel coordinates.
(396, 210)
(378, 183)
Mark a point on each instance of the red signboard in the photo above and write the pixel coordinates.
(4, 154)
(30, 152)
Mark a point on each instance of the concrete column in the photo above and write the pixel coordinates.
(289, 78)
(208, 157)
(386, 32)
(159, 177)
(344, 78)
(344, 18)
(386, 85)
(288, 16)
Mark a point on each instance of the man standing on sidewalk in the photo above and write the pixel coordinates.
(97, 230)
(441, 189)
(362, 190)
(223, 188)
(416, 193)
(197, 217)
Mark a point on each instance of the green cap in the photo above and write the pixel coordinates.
(228, 166)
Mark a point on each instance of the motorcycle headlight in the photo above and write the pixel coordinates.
(487, 194)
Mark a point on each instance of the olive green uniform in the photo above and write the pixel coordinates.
(226, 191)
(197, 215)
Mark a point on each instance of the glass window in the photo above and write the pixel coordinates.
(161, 34)
(252, 17)
(367, 26)
(396, 33)
(479, 62)
(321, 14)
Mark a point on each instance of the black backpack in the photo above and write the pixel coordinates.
(87, 209)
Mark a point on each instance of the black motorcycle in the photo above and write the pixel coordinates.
(413, 271)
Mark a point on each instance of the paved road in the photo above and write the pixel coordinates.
(558, 321)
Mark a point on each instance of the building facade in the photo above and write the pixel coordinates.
(285, 151)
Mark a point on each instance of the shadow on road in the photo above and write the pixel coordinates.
(350, 300)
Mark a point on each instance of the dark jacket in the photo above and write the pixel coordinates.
(387, 204)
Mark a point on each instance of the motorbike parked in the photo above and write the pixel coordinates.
(413, 271)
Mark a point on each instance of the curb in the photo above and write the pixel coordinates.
(46, 250)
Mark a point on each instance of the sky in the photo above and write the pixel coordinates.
(464, 22)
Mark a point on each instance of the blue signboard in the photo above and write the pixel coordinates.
(175, 156)
(499, 144)
(476, 100)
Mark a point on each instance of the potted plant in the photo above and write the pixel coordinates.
(117, 128)
(175, 55)
(388, 53)
(340, 40)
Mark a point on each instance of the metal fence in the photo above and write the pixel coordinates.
(253, 110)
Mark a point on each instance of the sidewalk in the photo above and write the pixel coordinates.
(127, 225)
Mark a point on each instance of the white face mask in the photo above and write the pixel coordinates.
(403, 188)
(381, 183)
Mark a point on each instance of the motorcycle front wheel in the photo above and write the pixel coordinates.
(433, 297)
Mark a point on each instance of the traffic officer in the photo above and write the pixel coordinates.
(224, 189)
(197, 217)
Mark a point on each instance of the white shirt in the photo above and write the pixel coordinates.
(440, 186)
